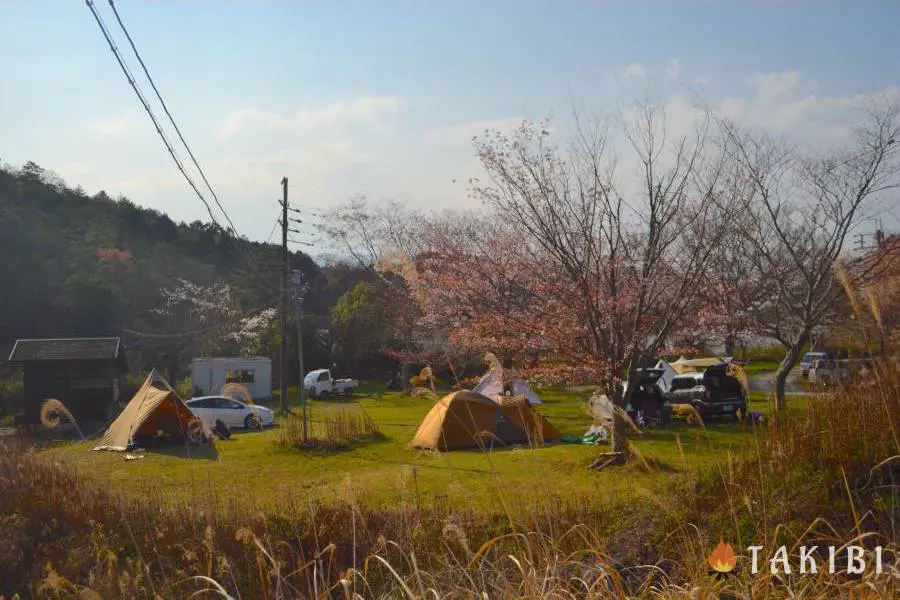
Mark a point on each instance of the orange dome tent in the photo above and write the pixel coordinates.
(467, 419)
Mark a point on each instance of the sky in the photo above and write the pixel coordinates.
(382, 97)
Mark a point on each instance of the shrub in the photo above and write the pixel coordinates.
(12, 396)
(184, 389)
(763, 353)
(130, 383)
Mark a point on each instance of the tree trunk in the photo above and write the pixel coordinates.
(784, 369)
(172, 370)
(620, 396)
(729, 344)
(404, 376)
(780, 383)
(619, 437)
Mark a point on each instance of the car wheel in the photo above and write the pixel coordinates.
(252, 422)
(323, 395)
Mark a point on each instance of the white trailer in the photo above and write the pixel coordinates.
(208, 375)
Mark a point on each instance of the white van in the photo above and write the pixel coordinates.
(808, 360)
(208, 375)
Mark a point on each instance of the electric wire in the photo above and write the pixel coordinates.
(307, 212)
(228, 323)
(171, 118)
(237, 240)
(274, 227)
(131, 80)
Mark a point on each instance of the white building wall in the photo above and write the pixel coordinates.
(208, 374)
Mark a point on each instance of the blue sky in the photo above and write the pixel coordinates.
(382, 97)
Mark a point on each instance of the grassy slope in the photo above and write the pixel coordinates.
(757, 367)
(250, 465)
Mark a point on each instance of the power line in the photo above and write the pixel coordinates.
(274, 227)
(228, 323)
(171, 118)
(303, 211)
(183, 334)
(178, 163)
(146, 105)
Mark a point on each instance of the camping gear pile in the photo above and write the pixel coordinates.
(596, 434)
(492, 384)
(647, 405)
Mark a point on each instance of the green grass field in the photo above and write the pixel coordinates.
(252, 466)
(756, 367)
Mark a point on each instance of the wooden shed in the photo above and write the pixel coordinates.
(81, 372)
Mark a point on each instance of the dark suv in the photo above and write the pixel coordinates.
(712, 392)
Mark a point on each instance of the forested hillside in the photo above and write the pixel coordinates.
(78, 265)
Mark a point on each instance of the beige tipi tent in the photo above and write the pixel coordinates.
(154, 408)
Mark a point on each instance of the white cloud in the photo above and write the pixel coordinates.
(674, 69)
(339, 113)
(366, 145)
(117, 126)
(317, 139)
(773, 86)
(73, 171)
(787, 103)
(151, 184)
(632, 71)
(462, 133)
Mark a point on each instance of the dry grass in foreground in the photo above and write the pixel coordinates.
(828, 475)
(329, 430)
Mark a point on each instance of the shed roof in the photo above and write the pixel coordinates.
(231, 359)
(65, 349)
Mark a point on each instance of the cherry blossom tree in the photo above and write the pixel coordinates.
(803, 205)
(628, 255)
(382, 238)
(364, 232)
(193, 319)
(478, 284)
(730, 292)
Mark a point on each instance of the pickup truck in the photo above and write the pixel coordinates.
(320, 384)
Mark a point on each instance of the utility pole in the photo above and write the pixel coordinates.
(282, 350)
(300, 289)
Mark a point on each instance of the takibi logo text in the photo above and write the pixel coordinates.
(849, 559)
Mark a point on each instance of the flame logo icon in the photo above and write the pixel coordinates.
(722, 559)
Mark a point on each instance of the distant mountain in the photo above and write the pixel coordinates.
(79, 265)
